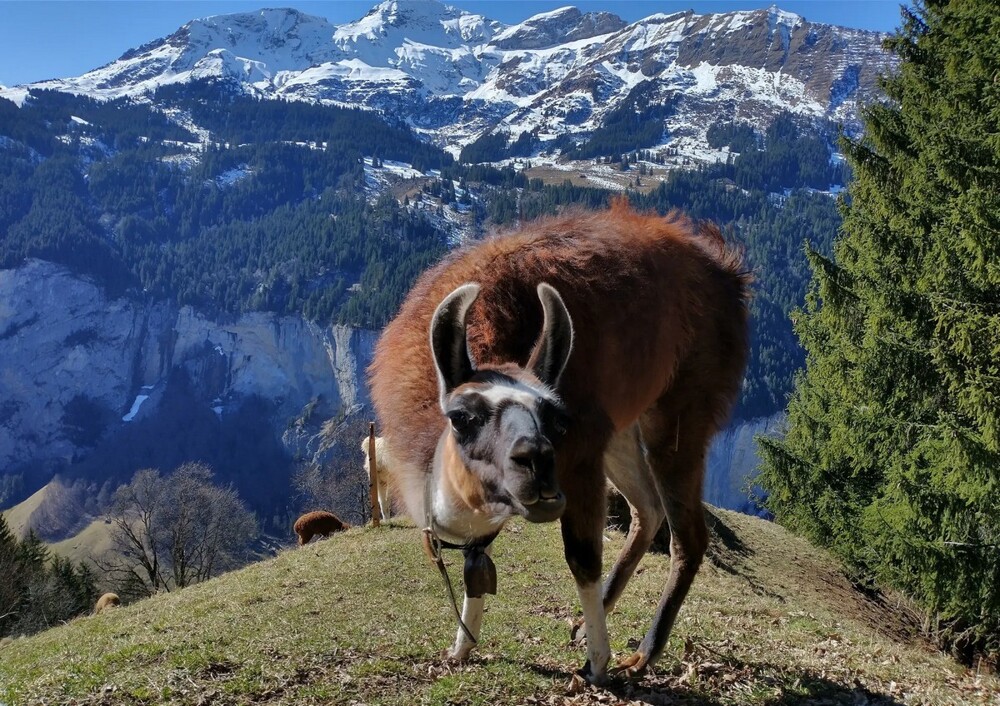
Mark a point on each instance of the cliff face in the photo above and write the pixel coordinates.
(733, 461)
(78, 369)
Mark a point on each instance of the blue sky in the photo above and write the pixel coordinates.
(42, 39)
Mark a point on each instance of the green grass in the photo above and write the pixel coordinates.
(362, 618)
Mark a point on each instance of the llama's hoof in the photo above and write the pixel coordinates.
(596, 679)
(634, 665)
(454, 655)
(578, 633)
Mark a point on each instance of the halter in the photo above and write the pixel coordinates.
(479, 572)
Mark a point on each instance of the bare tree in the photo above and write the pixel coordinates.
(170, 532)
(341, 486)
(135, 562)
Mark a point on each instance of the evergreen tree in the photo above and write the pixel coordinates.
(892, 456)
(11, 586)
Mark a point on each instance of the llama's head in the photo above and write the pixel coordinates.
(497, 456)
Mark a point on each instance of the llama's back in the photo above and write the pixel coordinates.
(639, 289)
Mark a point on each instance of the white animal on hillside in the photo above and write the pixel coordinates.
(384, 464)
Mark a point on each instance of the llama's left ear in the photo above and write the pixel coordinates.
(448, 343)
(551, 352)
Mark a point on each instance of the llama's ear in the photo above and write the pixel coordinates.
(551, 352)
(448, 344)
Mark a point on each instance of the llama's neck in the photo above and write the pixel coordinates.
(460, 510)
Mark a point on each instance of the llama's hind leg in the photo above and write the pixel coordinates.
(677, 457)
(384, 505)
(626, 467)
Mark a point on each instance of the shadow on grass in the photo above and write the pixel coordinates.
(712, 684)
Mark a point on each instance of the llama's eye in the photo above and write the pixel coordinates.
(463, 422)
(557, 423)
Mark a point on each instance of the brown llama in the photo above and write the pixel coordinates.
(318, 522)
(524, 370)
(108, 600)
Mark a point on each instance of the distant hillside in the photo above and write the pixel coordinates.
(362, 618)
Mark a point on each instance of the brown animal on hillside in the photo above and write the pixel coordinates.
(523, 371)
(318, 522)
(108, 600)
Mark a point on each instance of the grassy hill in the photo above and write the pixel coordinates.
(17, 517)
(362, 618)
(93, 540)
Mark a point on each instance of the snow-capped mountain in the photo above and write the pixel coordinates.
(454, 75)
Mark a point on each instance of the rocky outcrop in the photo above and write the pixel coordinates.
(733, 462)
(76, 367)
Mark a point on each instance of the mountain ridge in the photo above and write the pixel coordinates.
(454, 75)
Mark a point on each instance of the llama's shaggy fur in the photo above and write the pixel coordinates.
(318, 522)
(108, 600)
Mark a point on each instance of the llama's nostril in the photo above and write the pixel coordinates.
(548, 493)
(524, 462)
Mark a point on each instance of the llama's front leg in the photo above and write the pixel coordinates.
(384, 506)
(582, 540)
(472, 616)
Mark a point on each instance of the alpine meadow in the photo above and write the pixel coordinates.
(226, 252)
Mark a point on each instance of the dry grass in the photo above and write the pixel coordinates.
(361, 618)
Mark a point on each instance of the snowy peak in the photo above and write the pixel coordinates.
(281, 39)
(425, 22)
(454, 75)
(250, 47)
(548, 29)
(433, 45)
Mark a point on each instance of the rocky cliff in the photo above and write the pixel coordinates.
(733, 462)
(78, 369)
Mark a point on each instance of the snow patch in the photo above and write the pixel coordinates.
(16, 95)
(139, 399)
(233, 176)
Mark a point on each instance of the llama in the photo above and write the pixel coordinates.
(107, 601)
(318, 522)
(383, 463)
(523, 371)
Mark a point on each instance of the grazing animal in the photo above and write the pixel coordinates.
(318, 522)
(383, 463)
(108, 600)
(524, 370)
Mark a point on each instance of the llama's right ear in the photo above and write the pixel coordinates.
(448, 343)
(551, 352)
